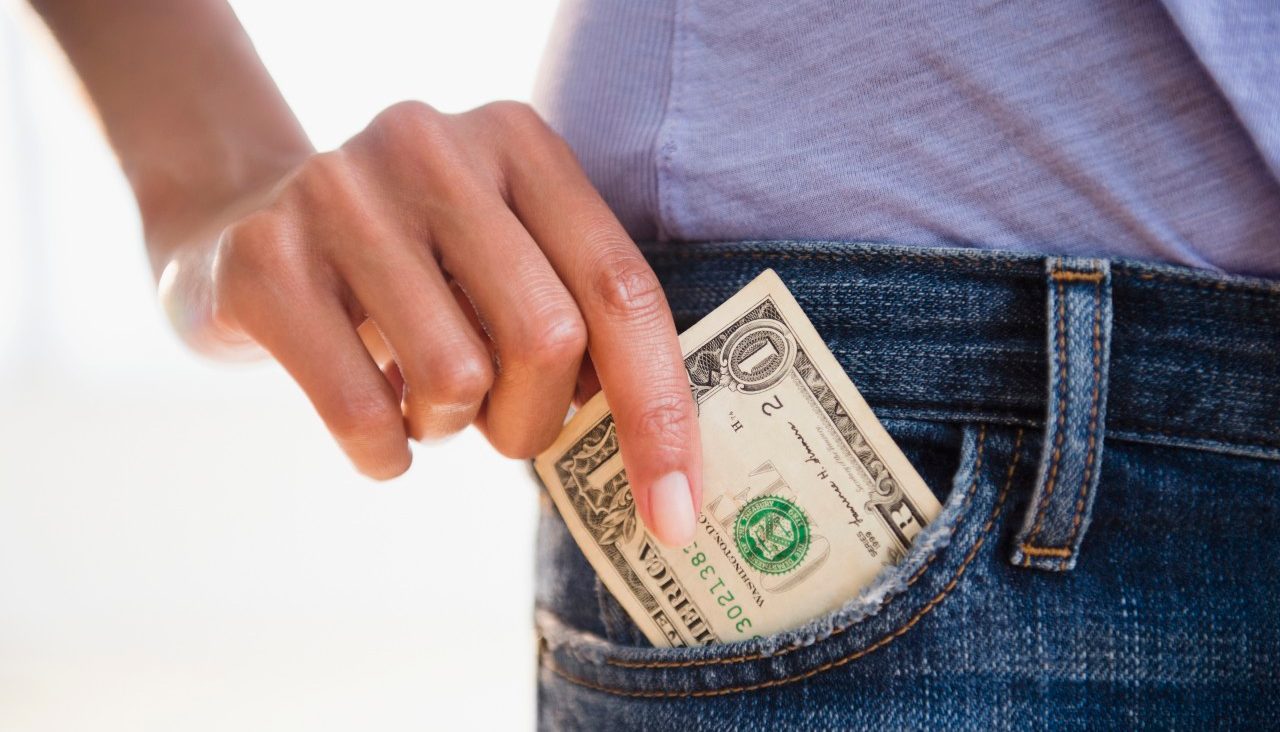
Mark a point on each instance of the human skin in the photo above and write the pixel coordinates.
(435, 271)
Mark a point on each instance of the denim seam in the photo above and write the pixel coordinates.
(866, 650)
(1248, 295)
(1115, 431)
(1254, 452)
(973, 487)
(1273, 444)
(951, 416)
(1259, 289)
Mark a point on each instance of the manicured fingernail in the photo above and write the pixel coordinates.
(672, 503)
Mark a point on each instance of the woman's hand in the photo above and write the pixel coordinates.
(435, 271)
(441, 270)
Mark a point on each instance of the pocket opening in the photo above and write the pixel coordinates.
(973, 510)
(579, 647)
(584, 659)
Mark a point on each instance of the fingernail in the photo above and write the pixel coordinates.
(672, 504)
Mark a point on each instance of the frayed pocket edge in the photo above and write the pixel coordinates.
(872, 600)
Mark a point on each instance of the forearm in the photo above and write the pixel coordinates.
(192, 114)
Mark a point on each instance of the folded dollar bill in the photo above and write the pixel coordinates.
(806, 497)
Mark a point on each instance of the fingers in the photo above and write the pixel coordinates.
(633, 341)
(445, 364)
(537, 331)
(265, 289)
(466, 240)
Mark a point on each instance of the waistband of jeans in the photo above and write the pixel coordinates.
(960, 334)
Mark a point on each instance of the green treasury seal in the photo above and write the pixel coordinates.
(773, 534)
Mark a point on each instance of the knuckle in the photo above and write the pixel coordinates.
(412, 141)
(324, 179)
(515, 116)
(249, 252)
(666, 421)
(560, 338)
(406, 126)
(447, 396)
(247, 243)
(407, 117)
(528, 144)
(625, 286)
(462, 380)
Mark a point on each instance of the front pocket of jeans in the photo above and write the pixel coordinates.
(899, 598)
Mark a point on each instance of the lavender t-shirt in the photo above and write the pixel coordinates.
(1132, 128)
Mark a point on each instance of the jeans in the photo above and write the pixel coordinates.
(1105, 438)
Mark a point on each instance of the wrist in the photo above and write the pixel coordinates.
(179, 196)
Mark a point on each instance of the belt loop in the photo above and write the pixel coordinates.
(1079, 316)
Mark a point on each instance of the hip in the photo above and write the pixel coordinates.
(1102, 436)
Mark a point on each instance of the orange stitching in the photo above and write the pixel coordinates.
(884, 640)
(973, 487)
(1060, 437)
(1044, 551)
(1237, 285)
(1066, 275)
(1093, 419)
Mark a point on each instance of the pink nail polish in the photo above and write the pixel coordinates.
(672, 504)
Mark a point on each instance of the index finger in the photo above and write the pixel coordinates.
(631, 337)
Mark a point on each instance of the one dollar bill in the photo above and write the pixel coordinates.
(806, 498)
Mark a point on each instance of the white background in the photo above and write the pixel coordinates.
(181, 545)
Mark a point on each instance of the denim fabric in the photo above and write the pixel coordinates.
(1103, 435)
(1079, 339)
